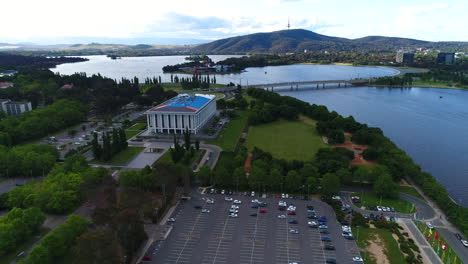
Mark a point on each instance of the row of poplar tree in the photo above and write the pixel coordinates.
(112, 143)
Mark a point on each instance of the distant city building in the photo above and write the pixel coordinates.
(13, 108)
(4, 85)
(446, 57)
(404, 57)
(8, 73)
(183, 112)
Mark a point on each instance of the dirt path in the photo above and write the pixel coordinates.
(376, 249)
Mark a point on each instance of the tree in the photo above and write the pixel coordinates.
(385, 187)
(293, 181)
(204, 175)
(197, 145)
(95, 247)
(344, 175)
(275, 178)
(330, 184)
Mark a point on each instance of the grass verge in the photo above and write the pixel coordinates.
(230, 135)
(447, 256)
(410, 190)
(291, 140)
(135, 129)
(126, 155)
(400, 205)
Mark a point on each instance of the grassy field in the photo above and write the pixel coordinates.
(411, 191)
(126, 155)
(166, 158)
(447, 256)
(400, 205)
(365, 236)
(229, 137)
(289, 140)
(135, 129)
(8, 258)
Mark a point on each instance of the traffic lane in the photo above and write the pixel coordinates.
(421, 240)
(10, 184)
(424, 210)
(453, 242)
(346, 199)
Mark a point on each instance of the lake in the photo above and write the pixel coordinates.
(432, 130)
(143, 67)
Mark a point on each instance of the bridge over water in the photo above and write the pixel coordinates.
(310, 84)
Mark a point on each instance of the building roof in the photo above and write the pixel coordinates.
(17, 102)
(184, 103)
(6, 84)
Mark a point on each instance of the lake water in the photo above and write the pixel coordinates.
(432, 130)
(143, 67)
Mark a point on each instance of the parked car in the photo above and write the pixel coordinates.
(147, 258)
(357, 259)
(429, 225)
(254, 214)
(281, 216)
(292, 213)
(464, 242)
(293, 222)
(171, 220)
(324, 231)
(329, 247)
(198, 207)
(330, 260)
(205, 211)
(262, 211)
(294, 231)
(326, 239)
(237, 202)
(228, 199)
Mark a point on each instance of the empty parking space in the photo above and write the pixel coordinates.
(254, 237)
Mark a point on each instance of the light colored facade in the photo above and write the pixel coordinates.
(183, 112)
(13, 108)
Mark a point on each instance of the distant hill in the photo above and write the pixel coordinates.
(298, 40)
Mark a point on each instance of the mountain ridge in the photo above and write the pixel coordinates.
(299, 40)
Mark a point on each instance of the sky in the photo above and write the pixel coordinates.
(195, 21)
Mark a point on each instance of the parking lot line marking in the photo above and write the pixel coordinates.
(191, 232)
(219, 242)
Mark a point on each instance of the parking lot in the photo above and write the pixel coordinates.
(215, 237)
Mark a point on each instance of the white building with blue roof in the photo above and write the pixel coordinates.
(183, 112)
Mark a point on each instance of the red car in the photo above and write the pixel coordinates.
(281, 208)
(262, 211)
(291, 212)
(278, 195)
(147, 258)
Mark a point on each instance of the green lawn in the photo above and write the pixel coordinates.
(448, 256)
(166, 158)
(400, 205)
(291, 140)
(411, 191)
(126, 155)
(229, 137)
(8, 258)
(365, 236)
(134, 130)
(436, 84)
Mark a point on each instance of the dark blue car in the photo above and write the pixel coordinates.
(292, 221)
(326, 239)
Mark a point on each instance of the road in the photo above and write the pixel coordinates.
(10, 184)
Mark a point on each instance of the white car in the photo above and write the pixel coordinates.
(357, 259)
(464, 242)
(233, 215)
(312, 223)
(323, 226)
(237, 202)
(223, 192)
(255, 201)
(281, 203)
(252, 194)
(283, 196)
(228, 199)
(233, 210)
(379, 208)
(281, 216)
(292, 208)
(429, 225)
(336, 197)
(205, 211)
(234, 206)
(210, 201)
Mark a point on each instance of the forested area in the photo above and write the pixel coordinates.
(41, 122)
(9, 61)
(27, 160)
(17, 226)
(61, 191)
(393, 161)
(57, 243)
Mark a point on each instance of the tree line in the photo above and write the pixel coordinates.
(27, 160)
(112, 143)
(41, 122)
(17, 226)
